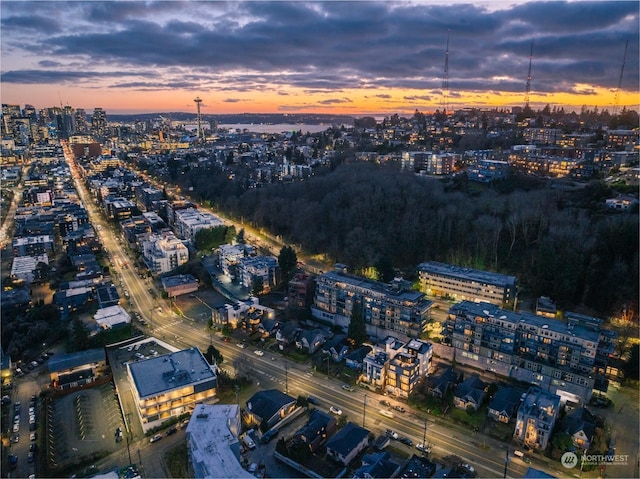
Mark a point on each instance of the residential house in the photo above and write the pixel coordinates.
(440, 384)
(355, 359)
(269, 406)
(338, 347)
(350, 441)
(376, 465)
(580, 424)
(318, 429)
(469, 393)
(536, 418)
(287, 334)
(504, 404)
(311, 340)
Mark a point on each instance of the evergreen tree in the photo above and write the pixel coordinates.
(287, 261)
(357, 327)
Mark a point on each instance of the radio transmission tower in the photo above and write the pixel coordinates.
(200, 130)
(445, 78)
(528, 89)
(624, 58)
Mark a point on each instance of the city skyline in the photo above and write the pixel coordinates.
(354, 58)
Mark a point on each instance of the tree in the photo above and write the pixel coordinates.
(240, 236)
(213, 355)
(287, 261)
(79, 338)
(257, 285)
(384, 266)
(357, 327)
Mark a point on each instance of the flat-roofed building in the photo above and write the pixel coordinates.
(387, 308)
(566, 357)
(446, 280)
(164, 253)
(170, 385)
(212, 442)
(179, 284)
(191, 220)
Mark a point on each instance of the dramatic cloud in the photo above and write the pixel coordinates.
(321, 48)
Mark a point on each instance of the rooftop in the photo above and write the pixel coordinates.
(170, 371)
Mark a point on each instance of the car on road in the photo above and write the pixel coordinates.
(385, 403)
(155, 438)
(423, 447)
(346, 387)
(392, 434)
(335, 410)
(242, 345)
(399, 408)
(406, 440)
(259, 353)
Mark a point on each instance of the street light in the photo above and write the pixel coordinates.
(506, 463)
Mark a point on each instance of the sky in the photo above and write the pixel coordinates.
(356, 58)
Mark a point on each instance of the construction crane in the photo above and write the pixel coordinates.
(528, 88)
(624, 59)
(445, 78)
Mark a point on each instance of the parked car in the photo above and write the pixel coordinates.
(172, 430)
(259, 353)
(392, 434)
(346, 387)
(406, 440)
(423, 447)
(385, 403)
(335, 410)
(399, 408)
(313, 400)
(155, 438)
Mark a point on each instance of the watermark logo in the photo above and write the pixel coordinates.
(569, 460)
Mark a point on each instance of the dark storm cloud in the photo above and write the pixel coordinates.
(57, 76)
(339, 45)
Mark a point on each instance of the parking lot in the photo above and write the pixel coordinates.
(82, 425)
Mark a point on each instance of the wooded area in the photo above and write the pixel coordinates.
(558, 239)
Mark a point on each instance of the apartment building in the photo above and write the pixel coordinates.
(536, 417)
(445, 280)
(170, 385)
(259, 268)
(397, 366)
(566, 357)
(393, 308)
(164, 253)
(189, 221)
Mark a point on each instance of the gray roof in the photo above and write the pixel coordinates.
(63, 362)
(347, 439)
(265, 404)
(170, 371)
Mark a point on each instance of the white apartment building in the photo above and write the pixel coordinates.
(163, 253)
(189, 221)
(466, 284)
(396, 366)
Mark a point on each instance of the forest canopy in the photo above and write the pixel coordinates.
(560, 243)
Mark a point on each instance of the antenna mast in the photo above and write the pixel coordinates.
(624, 59)
(528, 89)
(445, 79)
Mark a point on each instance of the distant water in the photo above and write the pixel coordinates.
(275, 128)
